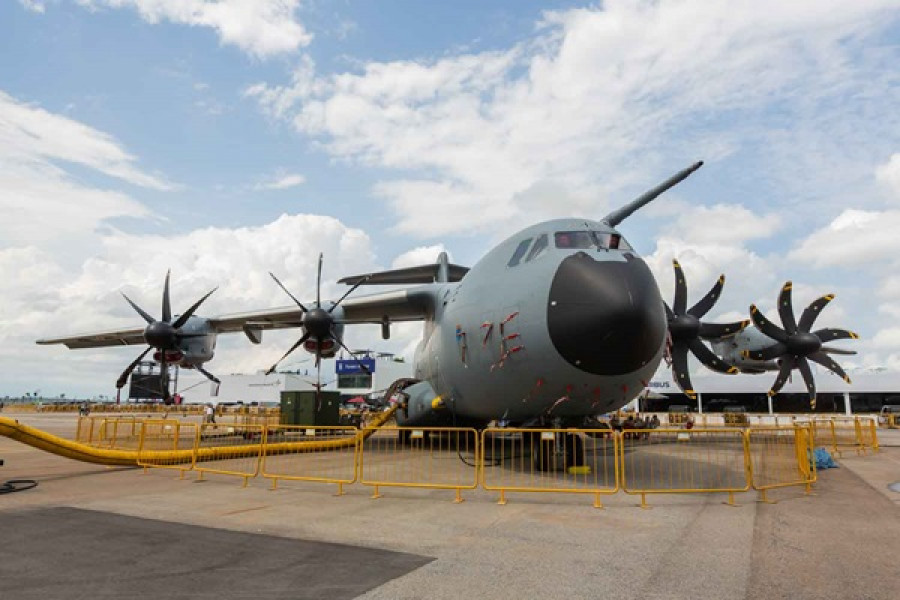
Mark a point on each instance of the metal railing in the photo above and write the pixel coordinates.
(321, 454)
(781, 457)
(580, 461)
(229, 450)
(419, 457)
(167, 444)
(684, 461)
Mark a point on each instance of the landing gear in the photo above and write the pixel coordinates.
(556, 451)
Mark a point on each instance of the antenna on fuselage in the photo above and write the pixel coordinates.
(619, 215)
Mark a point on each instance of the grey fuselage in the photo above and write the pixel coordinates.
(567, 333)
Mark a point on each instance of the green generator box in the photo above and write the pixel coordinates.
(306, 407)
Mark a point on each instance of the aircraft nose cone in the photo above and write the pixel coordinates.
(605, 317)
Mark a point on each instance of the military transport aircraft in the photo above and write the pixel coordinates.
(560, 322)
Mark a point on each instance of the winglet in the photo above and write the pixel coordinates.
(617, 216)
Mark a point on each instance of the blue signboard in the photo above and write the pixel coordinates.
(351, 366)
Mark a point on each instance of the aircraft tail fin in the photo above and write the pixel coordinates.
(439, 272)
(619, 215)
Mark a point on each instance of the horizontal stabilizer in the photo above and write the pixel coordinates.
(420, 274)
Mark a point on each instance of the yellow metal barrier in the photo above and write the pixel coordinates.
(823, 434)
(287, 454)
(780, 457)
(167, 444)
(665, 461)
(582, 461)
(868, 432)
(229, 450)
(847, 434)
(420, 457)
(119, 432)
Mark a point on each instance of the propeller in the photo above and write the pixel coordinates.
(796, 345)
(163, 334)
(687, 330)
(318, 324)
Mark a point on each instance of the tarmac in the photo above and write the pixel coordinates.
(95, 532)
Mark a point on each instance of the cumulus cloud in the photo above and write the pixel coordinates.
(262, 28)
(33, 5)
(854, 238)
(282, 182)
(889, 174)
(43, 299)
(42, 203)
(422, 255)
(603, 98)
(30, 135)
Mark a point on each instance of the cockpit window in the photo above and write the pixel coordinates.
(583, 240)
(540, 245)
(574, 239)
(521, 249)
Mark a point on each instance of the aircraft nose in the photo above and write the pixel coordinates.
(605, 317)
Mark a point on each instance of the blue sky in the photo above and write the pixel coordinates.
(138, 136)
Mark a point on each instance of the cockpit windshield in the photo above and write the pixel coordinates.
(586, 240)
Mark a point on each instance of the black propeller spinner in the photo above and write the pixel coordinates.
(796, 343)
(163, 335)
(686, 330)
(318, 324)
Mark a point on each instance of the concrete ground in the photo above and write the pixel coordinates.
(840, 543)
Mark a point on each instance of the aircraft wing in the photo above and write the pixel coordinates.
(99, 339)
(399, 305)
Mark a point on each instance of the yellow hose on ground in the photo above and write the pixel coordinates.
(48, 442)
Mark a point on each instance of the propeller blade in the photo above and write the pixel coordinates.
(669, 314)
(680, 302)
(350, 291)
(786, 309)
(164, 375)
(140, 311)
(297, 302)
(285, 355)
(189, 313)
(840, 351)
(680, 370)
(806, 372)
(769, 353)
(709, 358)
(166, 305)
(812, 312)
(359, 362)
(711, 331)
(766, 326)
(829, 363)
(784, 371)
(120, 382)
(707, 302)
(829, 335)
(319, 283)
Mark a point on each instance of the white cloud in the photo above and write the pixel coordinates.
(854, 238)
(33, 5)
(889, 174)
(601, 99)
(262, 28)
(422, 255)
(282, 182)
(42, 204)
(31, 135)
(43, 299)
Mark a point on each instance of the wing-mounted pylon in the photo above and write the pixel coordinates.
(687, 332)
(795, 345)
